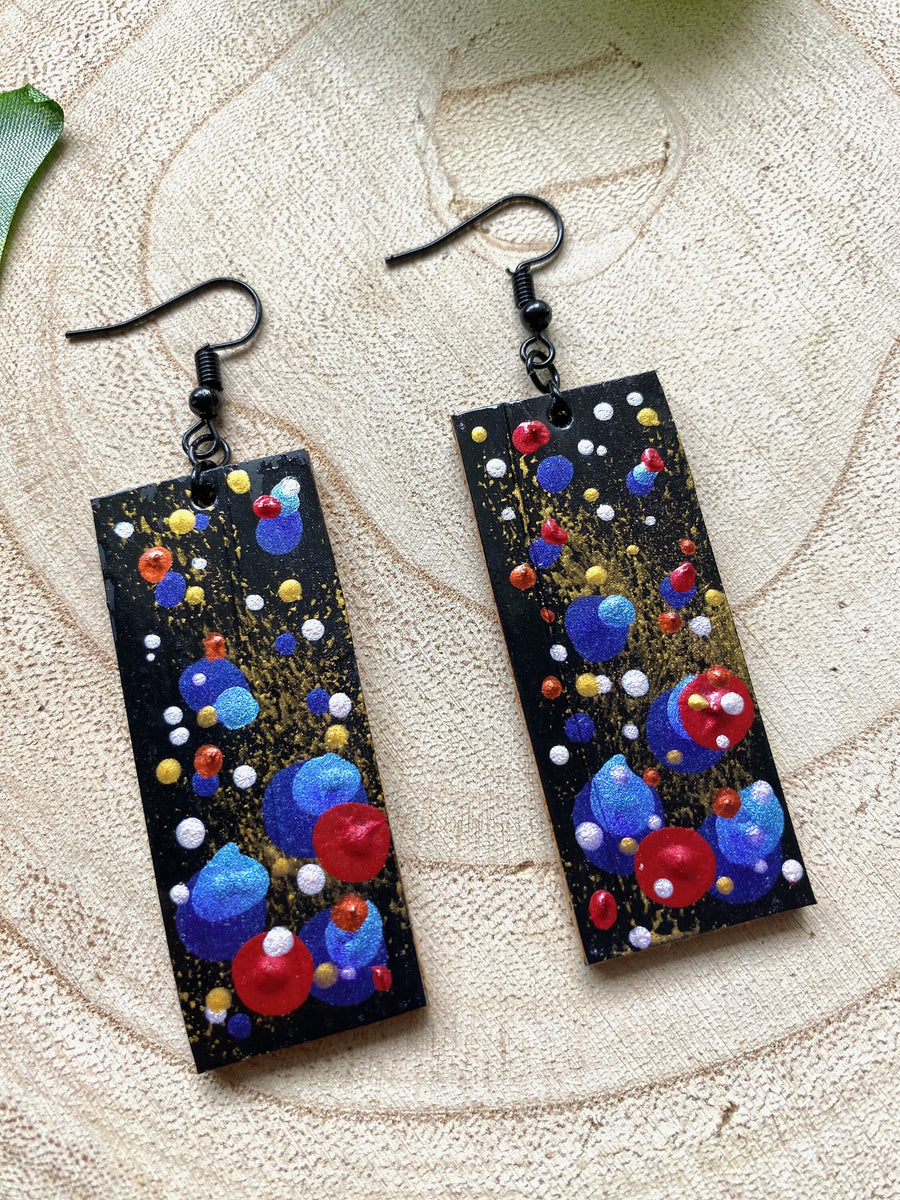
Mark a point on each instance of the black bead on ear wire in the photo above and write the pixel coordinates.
(537, 351)
(202, 443)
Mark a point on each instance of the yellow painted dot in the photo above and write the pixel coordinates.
(479, 434)
(596, 576)
(168, 771)
(632, 550)
(218, 999)
(714, 597)
(207, 716)
(290, 590)
(674, 757)
(281, 866)
(182, 520)
(697, 703)
(647, 416)
(724, 885)
(336, 737)
(194, 595)
(591, 494)
(587, 685)
(238, 481)
(325, 975)
(628, 846)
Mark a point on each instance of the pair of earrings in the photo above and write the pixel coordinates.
(280, 891)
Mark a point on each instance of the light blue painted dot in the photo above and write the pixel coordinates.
(236, 707)
(616, 611)
(555, 473)
(170, 590)
(285, 492)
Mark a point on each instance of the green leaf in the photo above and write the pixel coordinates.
(30, 123)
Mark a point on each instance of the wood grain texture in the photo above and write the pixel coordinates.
(728, 173)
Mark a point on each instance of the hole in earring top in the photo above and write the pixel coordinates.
(559, 413)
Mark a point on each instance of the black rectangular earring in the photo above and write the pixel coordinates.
(666, 806)
(279, 887)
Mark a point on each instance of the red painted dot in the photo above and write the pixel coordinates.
(523, 577)
(683, 577)
(272, 984)
(707, 725)
(214, 646)
(208, 761)
(352, 841)
(652, 460)
(350, 912)
(553, 532)
(651, 777)
(381, 977)
(552, 688)
(669, 622)
(266, 507)
(675, 858)
(687, 546)
(155, 563)
(602, 909)
(726, 802)
(548, 615)
(530, 436)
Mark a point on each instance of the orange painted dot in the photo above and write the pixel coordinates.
(552, 688)
(350, 912)
(155, 563)
(669, 622)
(719, 676)
(208, 761)
(651, 777)
(522, 577)
(687, 546)
(726, 802)
(214, 646)
(548, 615)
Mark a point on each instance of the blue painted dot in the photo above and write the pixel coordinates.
(285, 643)
(317, 701)
(201, 520)
(579, 727)
(543, 554)
(204, 786)
(170, 590)
(555, 473)
(239, 1025)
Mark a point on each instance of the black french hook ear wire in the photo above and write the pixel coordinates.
(537, 351)
(203, 444)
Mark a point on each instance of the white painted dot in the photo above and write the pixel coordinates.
(310, 879)
(150, 657)
(152, 641)
(179, 894)
(216, 1018)
(635, 399)
(495, 467)
(348, 973)
(603, 411)
(620, 774)
(199, 564)
(761, 791)
(254, 602)
(508, 514)
(663, 888)
(179, 736)
(654, 821)
(631, 731)
(755, 835)
(604, 683)
(278, 941)
(601, 450)
(558, 653)
(723, 742)
(124, 529)
(559, 755)
(792, 870)
(589, 836)
(732, 703)
(312, 630)
(585, 447)
(635, 683)
(244, 776)
(649, 520)
(606, 512)
(702, 626)
(198, 680)
(760, 866)
(289, 486)
(190, 833)
(640, 938)
(340, 705)
(173, 715)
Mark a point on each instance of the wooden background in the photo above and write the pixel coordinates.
(728, 172)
